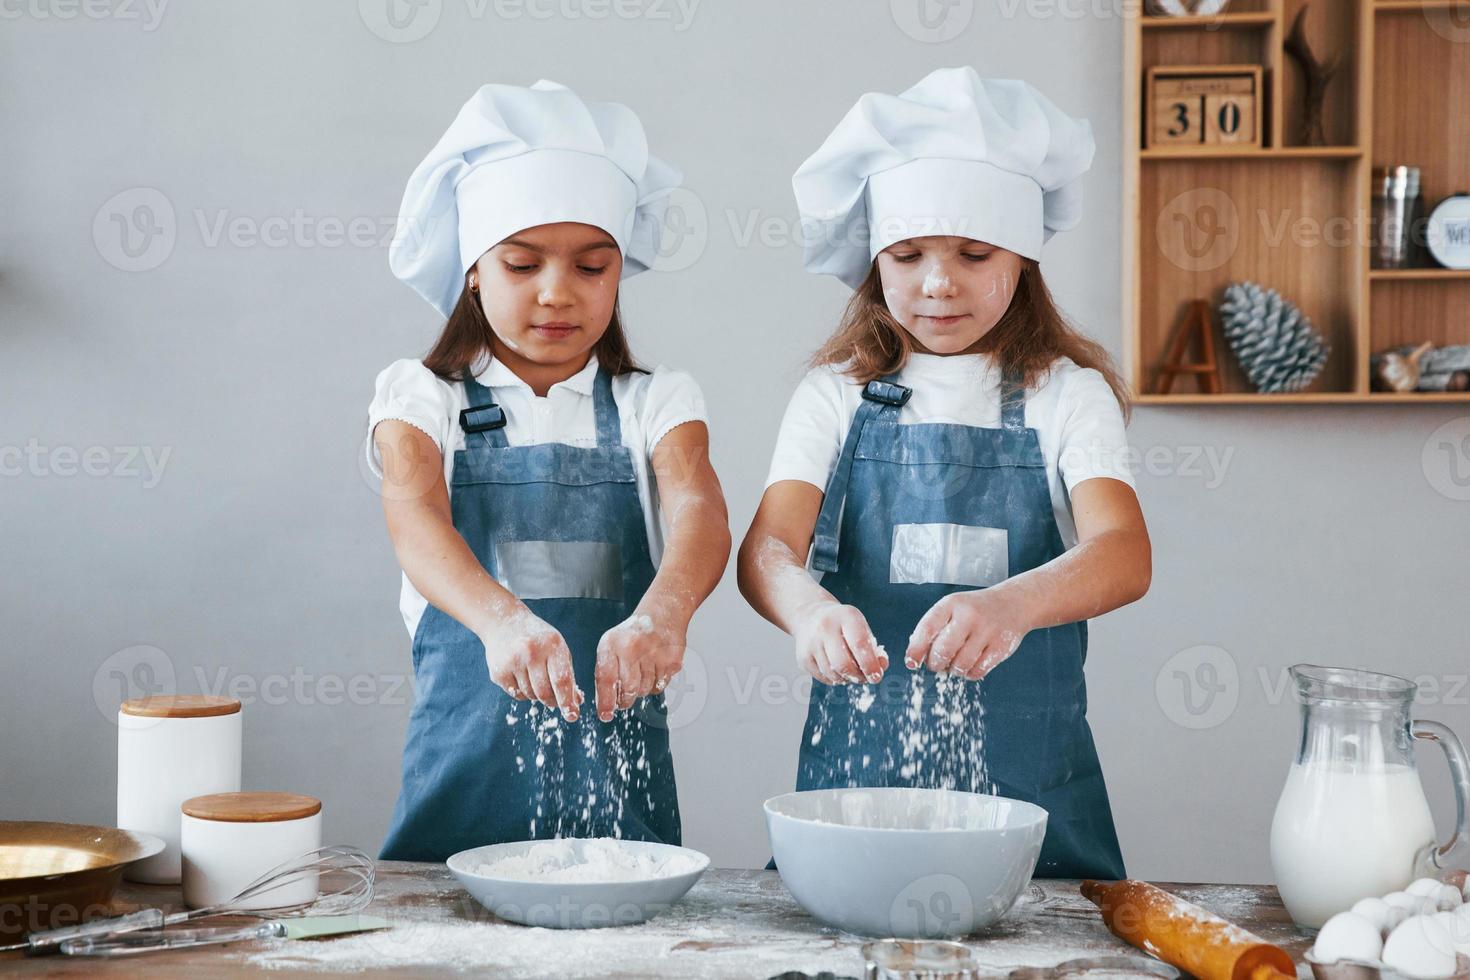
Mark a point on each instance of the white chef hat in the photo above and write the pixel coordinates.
(518, 157)
(957, 154)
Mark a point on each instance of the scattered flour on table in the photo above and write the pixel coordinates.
(728, 927)
(598, 860)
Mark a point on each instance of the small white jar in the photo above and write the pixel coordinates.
(170, 748)
(231, 839)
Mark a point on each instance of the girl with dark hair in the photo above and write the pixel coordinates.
(568, 522)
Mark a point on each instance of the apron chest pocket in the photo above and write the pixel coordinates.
(560, 569)
(949, 554)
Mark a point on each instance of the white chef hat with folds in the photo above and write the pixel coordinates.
(518, 157)
(957, 154)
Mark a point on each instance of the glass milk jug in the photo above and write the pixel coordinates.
(1353, 820)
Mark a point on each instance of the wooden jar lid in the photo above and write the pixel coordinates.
(251, 807)
(180, 706)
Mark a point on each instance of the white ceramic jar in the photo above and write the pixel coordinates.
(170, 748)
(230, 839)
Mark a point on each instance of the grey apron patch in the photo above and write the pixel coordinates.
(560, 569)
(949, 554)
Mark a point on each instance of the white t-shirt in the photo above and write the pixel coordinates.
(1078, 421)
(649, 406)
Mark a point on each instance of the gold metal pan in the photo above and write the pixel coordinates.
(60, 874)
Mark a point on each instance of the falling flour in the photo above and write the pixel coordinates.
(587, 773)
(598, 860)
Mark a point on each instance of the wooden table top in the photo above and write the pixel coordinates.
(734, 923)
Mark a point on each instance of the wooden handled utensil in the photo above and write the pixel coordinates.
(1185, 935)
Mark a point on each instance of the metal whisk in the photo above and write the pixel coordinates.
(344, 878)
(345, 885)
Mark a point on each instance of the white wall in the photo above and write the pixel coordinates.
(259, 558)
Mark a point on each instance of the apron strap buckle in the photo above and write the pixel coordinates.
(482, 418)
(887, 393)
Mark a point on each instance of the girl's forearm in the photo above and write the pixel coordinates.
(446, 572)
(694, 559)
(1102, 573)
(776, 583)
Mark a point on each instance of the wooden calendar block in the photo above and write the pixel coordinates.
(1190, 105)
(1178, 120)
(1231, 119)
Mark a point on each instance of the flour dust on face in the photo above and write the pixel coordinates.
(946, 291)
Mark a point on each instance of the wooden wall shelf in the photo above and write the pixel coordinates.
(1219, 22)
(1301, 214)
(1420, 274)
(1205, 152)
(1414, 6)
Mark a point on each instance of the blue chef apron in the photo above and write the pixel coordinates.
(922, 511)
(562, 528)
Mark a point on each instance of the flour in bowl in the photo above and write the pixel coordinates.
(600, 859)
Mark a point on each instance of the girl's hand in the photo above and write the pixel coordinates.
(835, 645)
(529, 658)
(636, 658)
(966, 633)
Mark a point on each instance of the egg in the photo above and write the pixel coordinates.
(1428, 887)
(1348, 936)
(1410, 903)
(1378, 912)
(1421, 947)
(1448, 898)
(1458, 924)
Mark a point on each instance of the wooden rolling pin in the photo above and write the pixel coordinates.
(1184, 935)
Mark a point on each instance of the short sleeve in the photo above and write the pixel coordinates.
(670, 399)
(812, 430)
(1092, 441)
(409, 392)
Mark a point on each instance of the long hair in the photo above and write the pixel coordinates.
(465, 343)
(1030, 335)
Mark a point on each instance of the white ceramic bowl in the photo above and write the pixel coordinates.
(908, 863)
(573, 904)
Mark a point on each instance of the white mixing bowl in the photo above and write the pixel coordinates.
(576, 904)
(908, 863)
